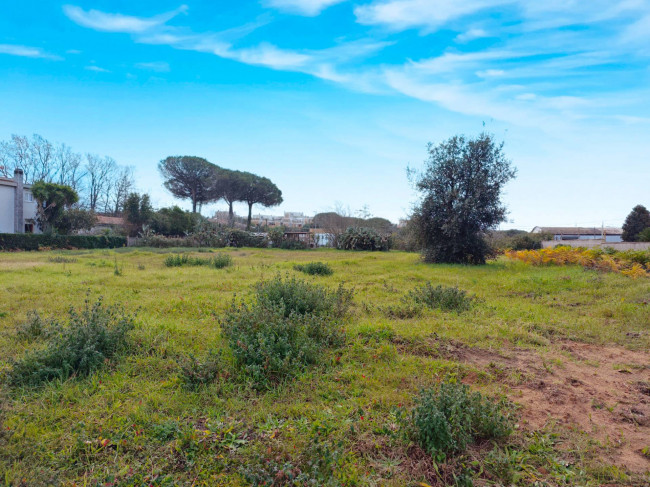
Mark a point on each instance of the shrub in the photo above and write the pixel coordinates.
(59, 259)
(36, 327)
(179, 260)
(449, 417)
(240, 238)
(362, 239)
(315, 269)
(34, 241)
(91, 337)
(301, 297)
(288, 326)
(441, 297)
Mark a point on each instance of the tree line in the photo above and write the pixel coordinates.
(101, 183)
(200, 181)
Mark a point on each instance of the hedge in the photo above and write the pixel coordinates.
(34, 241)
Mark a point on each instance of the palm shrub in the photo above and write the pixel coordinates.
(91, 337)
(447, 418)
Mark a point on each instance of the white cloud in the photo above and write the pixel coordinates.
(107, 22)
(26, 51)
(73, 51)
(471, 35)
(158, 66)
(405, 14)
(309, 8)
(490, 73)
(97, 69)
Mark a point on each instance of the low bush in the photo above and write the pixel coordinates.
(315, 269)
(59, 259)
(362, 239)
(35, 241)
(289, 326)
(179, 260)
(90, 338)
(194, 373)
(35, 327)
(447, 418)
(441, 297)
(301, 297)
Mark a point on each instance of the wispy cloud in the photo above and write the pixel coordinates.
(157, 66)
(302, 7)
(96, 69)
(115, 22)
(26, 51)
(471, 34)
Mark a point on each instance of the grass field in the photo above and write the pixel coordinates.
(566, 346)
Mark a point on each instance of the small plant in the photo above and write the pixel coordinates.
(59, 259)
(90, 338)
(195, 373)
(220, 261)
(36, 327)
(441, 297)
(117, 270)
(446, 419)
(141, 267)
(315, 269)
(179, 260)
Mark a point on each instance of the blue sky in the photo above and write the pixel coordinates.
(332, 99)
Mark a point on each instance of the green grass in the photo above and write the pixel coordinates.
(133, 422)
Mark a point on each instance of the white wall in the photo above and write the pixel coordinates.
(7, 209)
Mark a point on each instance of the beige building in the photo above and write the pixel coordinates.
(290, 219)
(17, 206)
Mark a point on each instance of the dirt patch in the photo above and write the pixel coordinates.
(603, 391)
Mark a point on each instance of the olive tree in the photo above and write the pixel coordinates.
(461, 190)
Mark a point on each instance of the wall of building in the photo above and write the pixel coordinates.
(549, 244)
(6, 209)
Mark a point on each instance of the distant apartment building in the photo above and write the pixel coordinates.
(290, 219)
(17, 205)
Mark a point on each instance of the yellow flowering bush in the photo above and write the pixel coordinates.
(633, 264)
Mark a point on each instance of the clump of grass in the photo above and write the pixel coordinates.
(447, 418)
(35, 327)
(195, 373)
(90, 338)
(218, 262)
(441, 297)
(59, 259)
(315, 269)
(289, 326)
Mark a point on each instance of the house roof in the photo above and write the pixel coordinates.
(110, 220)
(578, 230)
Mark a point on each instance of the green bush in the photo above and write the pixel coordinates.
(362, 239)
(301, 297)
(441, 297)
(179, 260)
(240, 238)
(194, 373)
(90, 338)
(288, 326)
(35, 241)
(314, 269)
(446, 419)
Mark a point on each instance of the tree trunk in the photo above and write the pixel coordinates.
(250, 212)
(193, 205)
(231, 215)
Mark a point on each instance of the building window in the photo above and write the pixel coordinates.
(29, 228)
(29, 196)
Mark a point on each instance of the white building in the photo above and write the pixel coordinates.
(17, 205)
(290, 219)
(607, 234)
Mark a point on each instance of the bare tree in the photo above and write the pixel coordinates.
(41, 155)
(98, 178)
(69, 168)
(121, 187)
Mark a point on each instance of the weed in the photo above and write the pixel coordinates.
(449, 417)
(195, 373)
(117, 270)
(315, 269)
(91, 337)
(441, 297)
(36, 327)
(59, 259)
(179, 260)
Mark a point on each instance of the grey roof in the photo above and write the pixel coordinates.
(578, 230)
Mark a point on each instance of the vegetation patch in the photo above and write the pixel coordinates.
(631, 263)
(362, 239)
(314, 269)
(449, 417)
(289, 325)
(219, 261)
(441, 297)
(89, 339)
